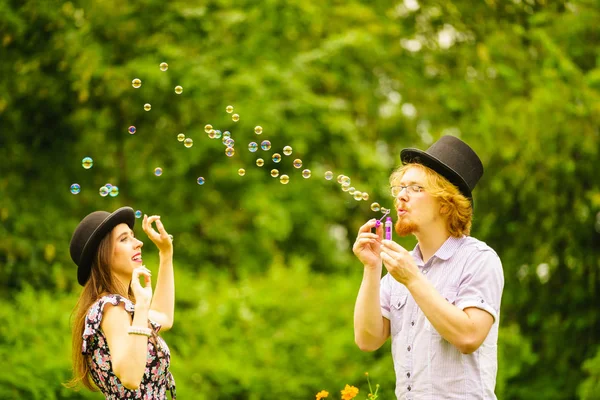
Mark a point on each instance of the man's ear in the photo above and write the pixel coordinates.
(444, 209)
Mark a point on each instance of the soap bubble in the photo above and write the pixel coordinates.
(384, 210)
(265, 145)
(229, 151)
(226, 134)
(306, 173)
(357, 195)
(252, 146)
(229, 142)
(75, 188)
(297, 163)
(147, 107)
(235, 117)
(260, 162)
(217, 134)
(351, 190)
(287, 150)
(178, 89)
(339, 178)
(104, 191)
(208, 128)
(345, 180)
(138, 214)
(136, 83)
(274, 173)
(212, 134)
(241, 172)
(158, 171)
(345, 187)
(375, 207)
(132, 129)
(181, 137)
(276, 157)
(200, 180)
(114, 191)
(108, 186)
(365, 196)
(188, 143)
(329, 175)
(284, 179)
(258, 130)
(229, 109)
(164, 66)
(87, 162)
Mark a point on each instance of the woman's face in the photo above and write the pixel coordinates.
(127, 251)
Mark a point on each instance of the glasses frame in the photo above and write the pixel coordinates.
(410, 189)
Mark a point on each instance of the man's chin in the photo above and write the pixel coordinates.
(404, 229)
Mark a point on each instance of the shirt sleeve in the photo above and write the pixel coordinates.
(482, 283)
(385, 293)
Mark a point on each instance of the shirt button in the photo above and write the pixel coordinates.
(482, 301)
(409, 388)
(408, 348)
(408, 374)
(412, 323)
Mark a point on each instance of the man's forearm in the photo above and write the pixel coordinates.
(453, 324)
(369, 332)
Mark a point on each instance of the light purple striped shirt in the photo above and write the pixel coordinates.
(468, 273)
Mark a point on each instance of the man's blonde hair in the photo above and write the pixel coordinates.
(454, 206)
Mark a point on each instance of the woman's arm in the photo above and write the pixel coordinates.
(162, 309)
(128, 352)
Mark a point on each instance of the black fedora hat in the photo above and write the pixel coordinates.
(90, 232)
(451, 158)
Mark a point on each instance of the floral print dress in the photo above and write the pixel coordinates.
(157, 380)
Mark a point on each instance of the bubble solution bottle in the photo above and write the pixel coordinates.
(388, 228)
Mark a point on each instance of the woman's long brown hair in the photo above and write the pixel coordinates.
(100, 281)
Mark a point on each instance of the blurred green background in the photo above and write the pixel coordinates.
(266, 279)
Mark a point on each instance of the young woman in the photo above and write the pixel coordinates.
(116, 347)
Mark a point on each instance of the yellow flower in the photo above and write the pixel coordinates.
(349, 392)
(322, 394)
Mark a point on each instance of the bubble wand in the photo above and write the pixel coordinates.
(378, 222)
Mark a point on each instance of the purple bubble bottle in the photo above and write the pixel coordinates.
(388, 228)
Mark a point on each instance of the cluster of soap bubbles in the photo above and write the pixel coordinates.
(253, 147)
(229, 143)
(345, 181)
(109, 189)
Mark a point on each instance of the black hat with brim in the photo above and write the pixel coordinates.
(90, 232)
(451, 158)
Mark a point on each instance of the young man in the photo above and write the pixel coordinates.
(440, 303)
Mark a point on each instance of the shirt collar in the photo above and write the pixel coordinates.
(446, 250)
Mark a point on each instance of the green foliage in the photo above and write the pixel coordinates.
(590, 387)
(347, 85)
(285, 334)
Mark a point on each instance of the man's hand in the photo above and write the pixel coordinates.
(399, 263)
(367, 246)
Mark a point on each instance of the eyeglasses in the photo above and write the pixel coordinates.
(410, 189)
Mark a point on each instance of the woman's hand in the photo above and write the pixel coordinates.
(143, 294)
(161, 239)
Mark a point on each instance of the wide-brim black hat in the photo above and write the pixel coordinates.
(90, 232)
(451, 158)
